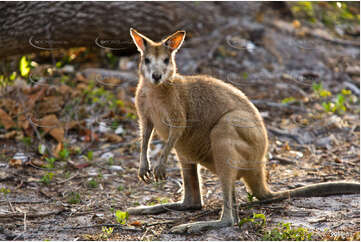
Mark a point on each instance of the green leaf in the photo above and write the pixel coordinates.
(64, 153)
(24, 66)
(245, 75)
(325, 93)
(326, 106)
(90, 155)
(346, 92)
(121, 216)
(260, 216)
(42, 149)
(12, 76)
(340, 99)
(288, 100)
(317, 86)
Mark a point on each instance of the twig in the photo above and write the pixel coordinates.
(278, 105)
(70, 178)
(279, 132)
(284, 161)
(118, 226)
(23, 202)
(164, 222)
(31, 215)
(145, 233)
(24, 222)
(10, 205)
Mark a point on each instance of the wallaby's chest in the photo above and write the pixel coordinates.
(159, 110)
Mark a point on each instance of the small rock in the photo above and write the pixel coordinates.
(68, 69)
(353, 70)
(119, 130)
(103, 127)
(106, 156)
(116, 168)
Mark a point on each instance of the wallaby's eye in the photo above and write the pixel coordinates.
(147, 61)
(166, 60)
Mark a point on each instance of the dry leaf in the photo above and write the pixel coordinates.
(57, 149)
(52, 125)
(51, 104)
(296, 24)
(64, 89)
(136, 223)
(24, 123)
(35, 97)
(89, 135)
(6, 120)
(286, 147)
(15, 163)
(38, 163)
(72, 124)
(9, 135)
(113, 137)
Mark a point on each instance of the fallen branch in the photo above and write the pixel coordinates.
(316, 33)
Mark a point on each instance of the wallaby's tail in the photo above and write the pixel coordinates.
(319, 190)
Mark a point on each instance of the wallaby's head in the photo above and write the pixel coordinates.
(157, 62)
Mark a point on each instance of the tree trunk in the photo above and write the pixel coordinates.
(27, 27)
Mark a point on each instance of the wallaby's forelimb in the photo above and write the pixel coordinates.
(147, 131)
(159, 169)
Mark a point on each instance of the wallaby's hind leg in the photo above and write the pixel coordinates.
(235, 206)
(191, 196)
(227, 218)
(255, 181)
(225, 144)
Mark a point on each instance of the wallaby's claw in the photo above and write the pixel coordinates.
(144, 175)
(159, 172)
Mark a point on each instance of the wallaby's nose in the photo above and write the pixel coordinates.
(156, 77)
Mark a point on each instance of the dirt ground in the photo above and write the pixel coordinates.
(99, 177)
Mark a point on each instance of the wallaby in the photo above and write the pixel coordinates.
(208, 122)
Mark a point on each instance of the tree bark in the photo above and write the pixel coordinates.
(27, 27)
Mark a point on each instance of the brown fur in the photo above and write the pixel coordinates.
(208, 122)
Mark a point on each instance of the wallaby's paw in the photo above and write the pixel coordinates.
(199, 227)
(144, 174)
(159, 172)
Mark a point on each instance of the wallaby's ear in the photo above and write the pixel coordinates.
(139, 40)
(175, 41)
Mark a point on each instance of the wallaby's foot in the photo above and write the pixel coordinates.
(200, 226)
(162, 208)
